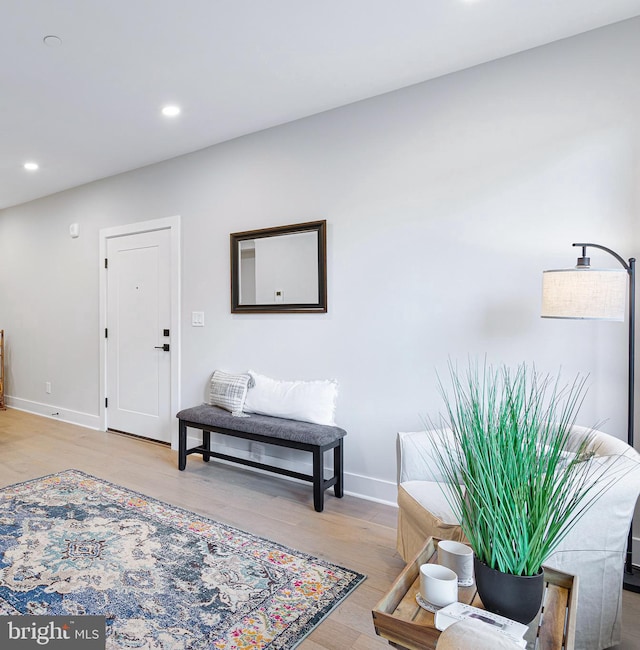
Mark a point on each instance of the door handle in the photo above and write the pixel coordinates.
(164, 347)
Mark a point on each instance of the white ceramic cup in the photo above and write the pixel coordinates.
(459, 558)
(438, 585)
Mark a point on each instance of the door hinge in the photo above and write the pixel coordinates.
(106, 333)
(106, 402)
(106, 263)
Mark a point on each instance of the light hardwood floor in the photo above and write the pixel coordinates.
(355, 533)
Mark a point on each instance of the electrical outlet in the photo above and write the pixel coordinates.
(47, 387)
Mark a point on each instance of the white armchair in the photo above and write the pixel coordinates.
(594, 549)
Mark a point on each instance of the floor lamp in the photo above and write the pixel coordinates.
(598, 294)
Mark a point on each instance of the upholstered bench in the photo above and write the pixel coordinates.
(294, 434)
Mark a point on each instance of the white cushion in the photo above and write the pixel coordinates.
(308, 401)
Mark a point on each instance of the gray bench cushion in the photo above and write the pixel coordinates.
(265, 425)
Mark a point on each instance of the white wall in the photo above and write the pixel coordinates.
(444, 203)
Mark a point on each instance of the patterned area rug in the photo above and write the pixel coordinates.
(165, 578)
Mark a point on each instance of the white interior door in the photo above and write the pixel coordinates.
(138, 334)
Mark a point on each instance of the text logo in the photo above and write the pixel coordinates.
(52, 632)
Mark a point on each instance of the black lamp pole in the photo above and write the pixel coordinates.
(631, 580)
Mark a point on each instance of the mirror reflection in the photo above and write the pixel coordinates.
(279, 269)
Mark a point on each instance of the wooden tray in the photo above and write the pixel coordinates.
(399, 619)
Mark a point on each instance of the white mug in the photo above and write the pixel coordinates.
(438, 585)
(459, 558)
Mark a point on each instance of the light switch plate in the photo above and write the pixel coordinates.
(197, 319)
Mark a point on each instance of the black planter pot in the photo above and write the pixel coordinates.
(516, 597)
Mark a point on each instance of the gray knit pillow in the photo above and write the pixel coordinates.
(228, 391)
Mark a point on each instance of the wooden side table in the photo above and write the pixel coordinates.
(399, 619)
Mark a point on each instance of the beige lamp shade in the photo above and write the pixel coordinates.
(590, 294)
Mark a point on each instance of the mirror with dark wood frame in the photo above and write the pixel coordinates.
(281, 269)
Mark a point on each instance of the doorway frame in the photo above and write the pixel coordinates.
(165, 223)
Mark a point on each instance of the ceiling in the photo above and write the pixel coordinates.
(90, 107)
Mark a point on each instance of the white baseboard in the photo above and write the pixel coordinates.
(363, 487)
(54, 412)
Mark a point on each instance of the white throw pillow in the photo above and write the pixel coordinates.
(308, 401)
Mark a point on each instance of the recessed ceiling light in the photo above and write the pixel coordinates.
(52, 41)
(171, 111)
(31, 166)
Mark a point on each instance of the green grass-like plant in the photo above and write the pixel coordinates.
(509, 478)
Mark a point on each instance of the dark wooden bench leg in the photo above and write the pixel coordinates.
(206, 443)
(182, 445)
(318, 479)
(338, 488)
